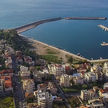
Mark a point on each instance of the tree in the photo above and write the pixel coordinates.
(70, 60)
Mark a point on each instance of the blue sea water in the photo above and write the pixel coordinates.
(75, 36)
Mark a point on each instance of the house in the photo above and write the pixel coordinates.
(56, 69)
(32, 105)
(78, 80)
(24, 72)
(52, 88)
(95, 103)
(44, 99)
(6, 72)
(104, 93)
(105, 85)
(42, 87)
(90, 77)
(8, 62)
(84, 95)
(65, 80)
(105, 70)
(1, 85)
(28, 60)
(7, 83)
(28, 85)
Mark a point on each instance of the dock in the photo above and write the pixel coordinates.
(103, 27)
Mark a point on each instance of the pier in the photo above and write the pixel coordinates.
(103, 27)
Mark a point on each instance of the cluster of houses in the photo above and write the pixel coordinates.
(96, 97)
(39, 86)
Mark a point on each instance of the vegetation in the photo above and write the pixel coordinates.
(49, 51)
(2, 63)
(7, 102)
(58, 105)
(51, 58)
(74, 102)
(78, 88)
(17, 42)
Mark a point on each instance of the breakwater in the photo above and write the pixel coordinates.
(85, 18)
(35, 24)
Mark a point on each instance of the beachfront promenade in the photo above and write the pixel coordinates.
(35, 24)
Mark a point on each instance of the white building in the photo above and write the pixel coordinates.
(105, 69)
(24, 72)
(65, 80)
(84, 95)
(56, 69)
(29, 85)
(44, 99)
(90, 77)
(105, 85)
(8, 62)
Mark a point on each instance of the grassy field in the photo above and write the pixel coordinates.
(7, 102)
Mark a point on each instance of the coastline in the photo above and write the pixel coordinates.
(41, 47)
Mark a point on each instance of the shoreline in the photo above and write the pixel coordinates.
(62, 52)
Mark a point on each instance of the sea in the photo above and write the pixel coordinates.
(75, 36)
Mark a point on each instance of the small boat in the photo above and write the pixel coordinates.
(104, 44)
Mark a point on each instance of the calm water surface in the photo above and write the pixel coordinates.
(82, 37)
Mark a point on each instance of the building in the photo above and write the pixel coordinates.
(6, 72)
(105, 85)
(95, 103)
(52, 88)
(65, 80)
(8, 62)
(56, 69)
(44, 99)
(104, 93)
(1, 85)
(90, 77)
(7, 83)
(28, 60)
(78, 80)
(28, 86)
(24, 72)
(84, 95)
(105, 70)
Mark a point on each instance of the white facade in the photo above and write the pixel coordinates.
(105, 85)
(65, 80)
(44, 99)
(29, 85)
(56, 69)
(90, 76)
(24, 72)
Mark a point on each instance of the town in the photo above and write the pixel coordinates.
(31, 81)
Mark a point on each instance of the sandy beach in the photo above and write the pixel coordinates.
(42, 48)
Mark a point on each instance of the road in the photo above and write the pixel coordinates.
(17, 87)
(61, 92)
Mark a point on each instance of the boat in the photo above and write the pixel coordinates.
(104, 44)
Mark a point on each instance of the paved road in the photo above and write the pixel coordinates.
(62, 93)
(17, 87)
